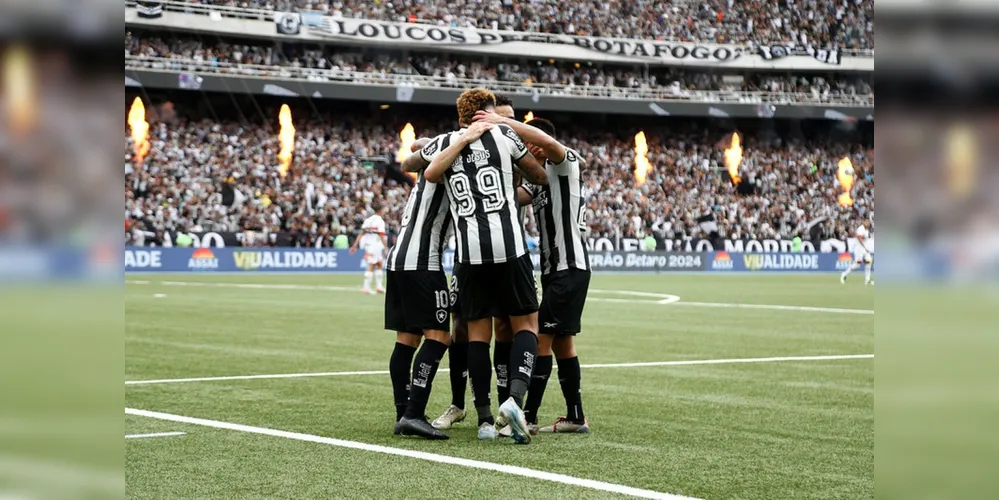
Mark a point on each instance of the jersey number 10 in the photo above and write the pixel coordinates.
(488, 183)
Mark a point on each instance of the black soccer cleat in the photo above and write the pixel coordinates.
(418, 427)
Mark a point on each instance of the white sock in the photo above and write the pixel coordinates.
(867, 273)
(850, 269)
(367, 280)
(378, 279)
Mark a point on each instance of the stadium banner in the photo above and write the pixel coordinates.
(148, 9)
(196, 17)
(98, 263)
(648, 261)
(211, 81)
(777, 262)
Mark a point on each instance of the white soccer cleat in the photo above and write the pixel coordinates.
(565, 426)
(518, 424)
(365, 291)
(380, 290)
(842, 279)
(451, 416)
(487, 431)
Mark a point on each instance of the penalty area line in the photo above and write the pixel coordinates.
(442, 370)
(421, 455)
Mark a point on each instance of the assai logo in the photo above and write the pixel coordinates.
(723, 261)
(203, 258)
(844, 261)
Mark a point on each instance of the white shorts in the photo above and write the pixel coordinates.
(863, 257)
(374, 257)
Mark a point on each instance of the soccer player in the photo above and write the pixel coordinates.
(417, 299)
(374, 242)
(458, 352)
(863, 254)
(565, 270)
(495, 277)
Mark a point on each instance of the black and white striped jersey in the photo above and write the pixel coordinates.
(426, 223)
(483, 198)
(559, 210)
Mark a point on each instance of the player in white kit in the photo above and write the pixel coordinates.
(863, 253)
(373, 241)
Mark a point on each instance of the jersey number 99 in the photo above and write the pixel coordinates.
(488, 183)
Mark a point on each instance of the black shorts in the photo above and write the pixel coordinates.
(563, 295)
(416, 301)
(497, 290)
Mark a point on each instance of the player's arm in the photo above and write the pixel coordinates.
(553, 149)
(443, 160)
(532, 170)
(418, 159)
(524, 196)
(353, 248)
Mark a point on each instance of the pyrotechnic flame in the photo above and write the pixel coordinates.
(962, 152)
(733, 158)
(287, 138)
(139, 128)
(642, 165)
(845, 174)
(18, 89)
(529, 116)
(408, 137)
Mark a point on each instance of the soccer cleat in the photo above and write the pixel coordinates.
(533, 429)
(451, 416)
(366, 291)
(518, 424)
(397, 429)
(419, 427)
(501, 421)
(842, 279)
(564, 425)
(504, 431)
(487, 431)
(379, 290)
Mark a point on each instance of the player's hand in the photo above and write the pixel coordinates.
(353, 250)
(476, 130)
(487, 116)
(418, 144)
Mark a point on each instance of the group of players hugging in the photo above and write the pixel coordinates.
(471, 185)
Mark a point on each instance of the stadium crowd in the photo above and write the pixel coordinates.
(209, 174)
(676, 81)
(847, 24)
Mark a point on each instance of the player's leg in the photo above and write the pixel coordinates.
(568, 298)
(476, 299)
(853, 266)
(501, 356)
(405, 343)
(378, 276)
(868, 263)
(520, 301)
(539, 381)
(458, 356)
(368, 274)
(425, 305)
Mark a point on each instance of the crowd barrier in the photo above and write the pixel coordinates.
(179, 260)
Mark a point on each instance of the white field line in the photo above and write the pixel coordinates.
(421, 455)
(663, 298)
(153, 435)
(442, 370)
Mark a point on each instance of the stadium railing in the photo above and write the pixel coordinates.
(138, 63)
(268, 15)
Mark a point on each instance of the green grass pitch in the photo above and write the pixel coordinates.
(767, 430)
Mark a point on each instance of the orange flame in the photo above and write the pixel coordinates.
(733, 158)
(19, 88)
(407, 137)
(642, 165)
(529, 116)
(845, 174)
(962, 152)
(287, 138)
(140, 130)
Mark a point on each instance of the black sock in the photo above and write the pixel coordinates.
(568, 378)
(525, 349)
(458, 352)
(481, 373)
(399, 365)
(501, 361)
(424, 369)
(536, 392)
